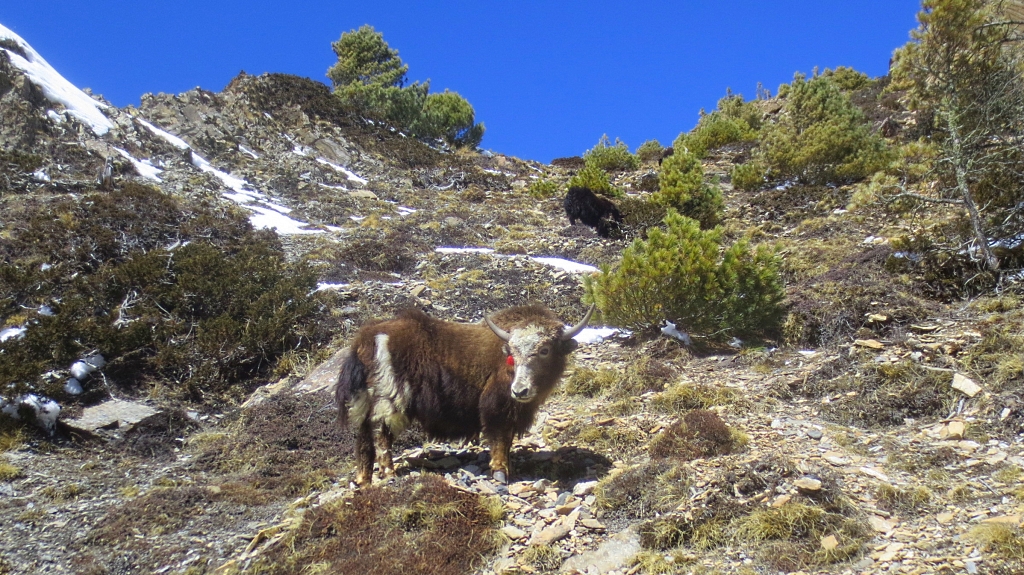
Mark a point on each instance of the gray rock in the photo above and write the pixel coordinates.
(615, 553)
(113, 414)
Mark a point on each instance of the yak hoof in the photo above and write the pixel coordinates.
(499, 476)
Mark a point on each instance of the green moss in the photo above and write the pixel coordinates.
(643, 490)
(792, 535)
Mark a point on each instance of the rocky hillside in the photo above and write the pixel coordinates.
(882, 433)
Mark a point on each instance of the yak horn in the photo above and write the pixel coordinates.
(579, 327)
(504, 335)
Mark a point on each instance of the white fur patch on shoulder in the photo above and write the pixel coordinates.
(389, 395)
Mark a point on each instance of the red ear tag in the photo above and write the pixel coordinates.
(510, 361)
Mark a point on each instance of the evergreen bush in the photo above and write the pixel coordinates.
(450, 117)
(847, 78)
(748, 177)
(820, 136)
(611, 157)
(682, 274)
(370, 78)
(165, 290)
(596, 180)
(650, 151)
(733, 121)
(543, 188)
(682, 188)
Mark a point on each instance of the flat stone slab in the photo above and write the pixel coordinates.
(113, 414)
(614, 553)
(322, 377)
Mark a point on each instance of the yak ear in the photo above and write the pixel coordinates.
(569, 345)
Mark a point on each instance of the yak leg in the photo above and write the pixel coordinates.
(501, 445)
(364, 453)
(384, 440)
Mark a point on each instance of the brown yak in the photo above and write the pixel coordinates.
(458, 380)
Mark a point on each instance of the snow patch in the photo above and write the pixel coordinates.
(12, 333)
(599, 334)
(282, 224)
(55, 87)
(324, 286)
(670, 330)
(166, 136)
(464, 250)
(566, 265)
(268, 214)
(45, 409)
(348, 174)
(143, 167)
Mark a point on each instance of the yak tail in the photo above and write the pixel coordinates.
(351, 381)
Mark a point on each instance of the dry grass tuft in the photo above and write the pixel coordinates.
(686, 396)
(700, 433)
(286, 446)
(791, 536)
(9, 472)
(1004, 540)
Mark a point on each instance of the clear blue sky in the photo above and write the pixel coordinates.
(547, 78)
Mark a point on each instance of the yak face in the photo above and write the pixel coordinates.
(537, 353)
(536, 356)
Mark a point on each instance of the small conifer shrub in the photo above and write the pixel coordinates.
(748, 177)
(650, 151)
(847, 78)
(682, 274)
(596, 180)
(611, 157)
(543, 188)
(682, 188)
(733, 121)
(821, 137)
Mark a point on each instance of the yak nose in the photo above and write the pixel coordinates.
(520, 393)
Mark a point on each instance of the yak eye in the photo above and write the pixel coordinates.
(544, 351)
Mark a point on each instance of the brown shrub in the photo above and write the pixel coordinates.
(419, 525)
(700, 433)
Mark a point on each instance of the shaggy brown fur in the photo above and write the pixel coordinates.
(455, 379)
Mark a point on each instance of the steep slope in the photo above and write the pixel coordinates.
(853, 453)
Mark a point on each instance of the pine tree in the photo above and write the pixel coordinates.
(963, 68)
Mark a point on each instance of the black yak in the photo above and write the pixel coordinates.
(593, 210)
